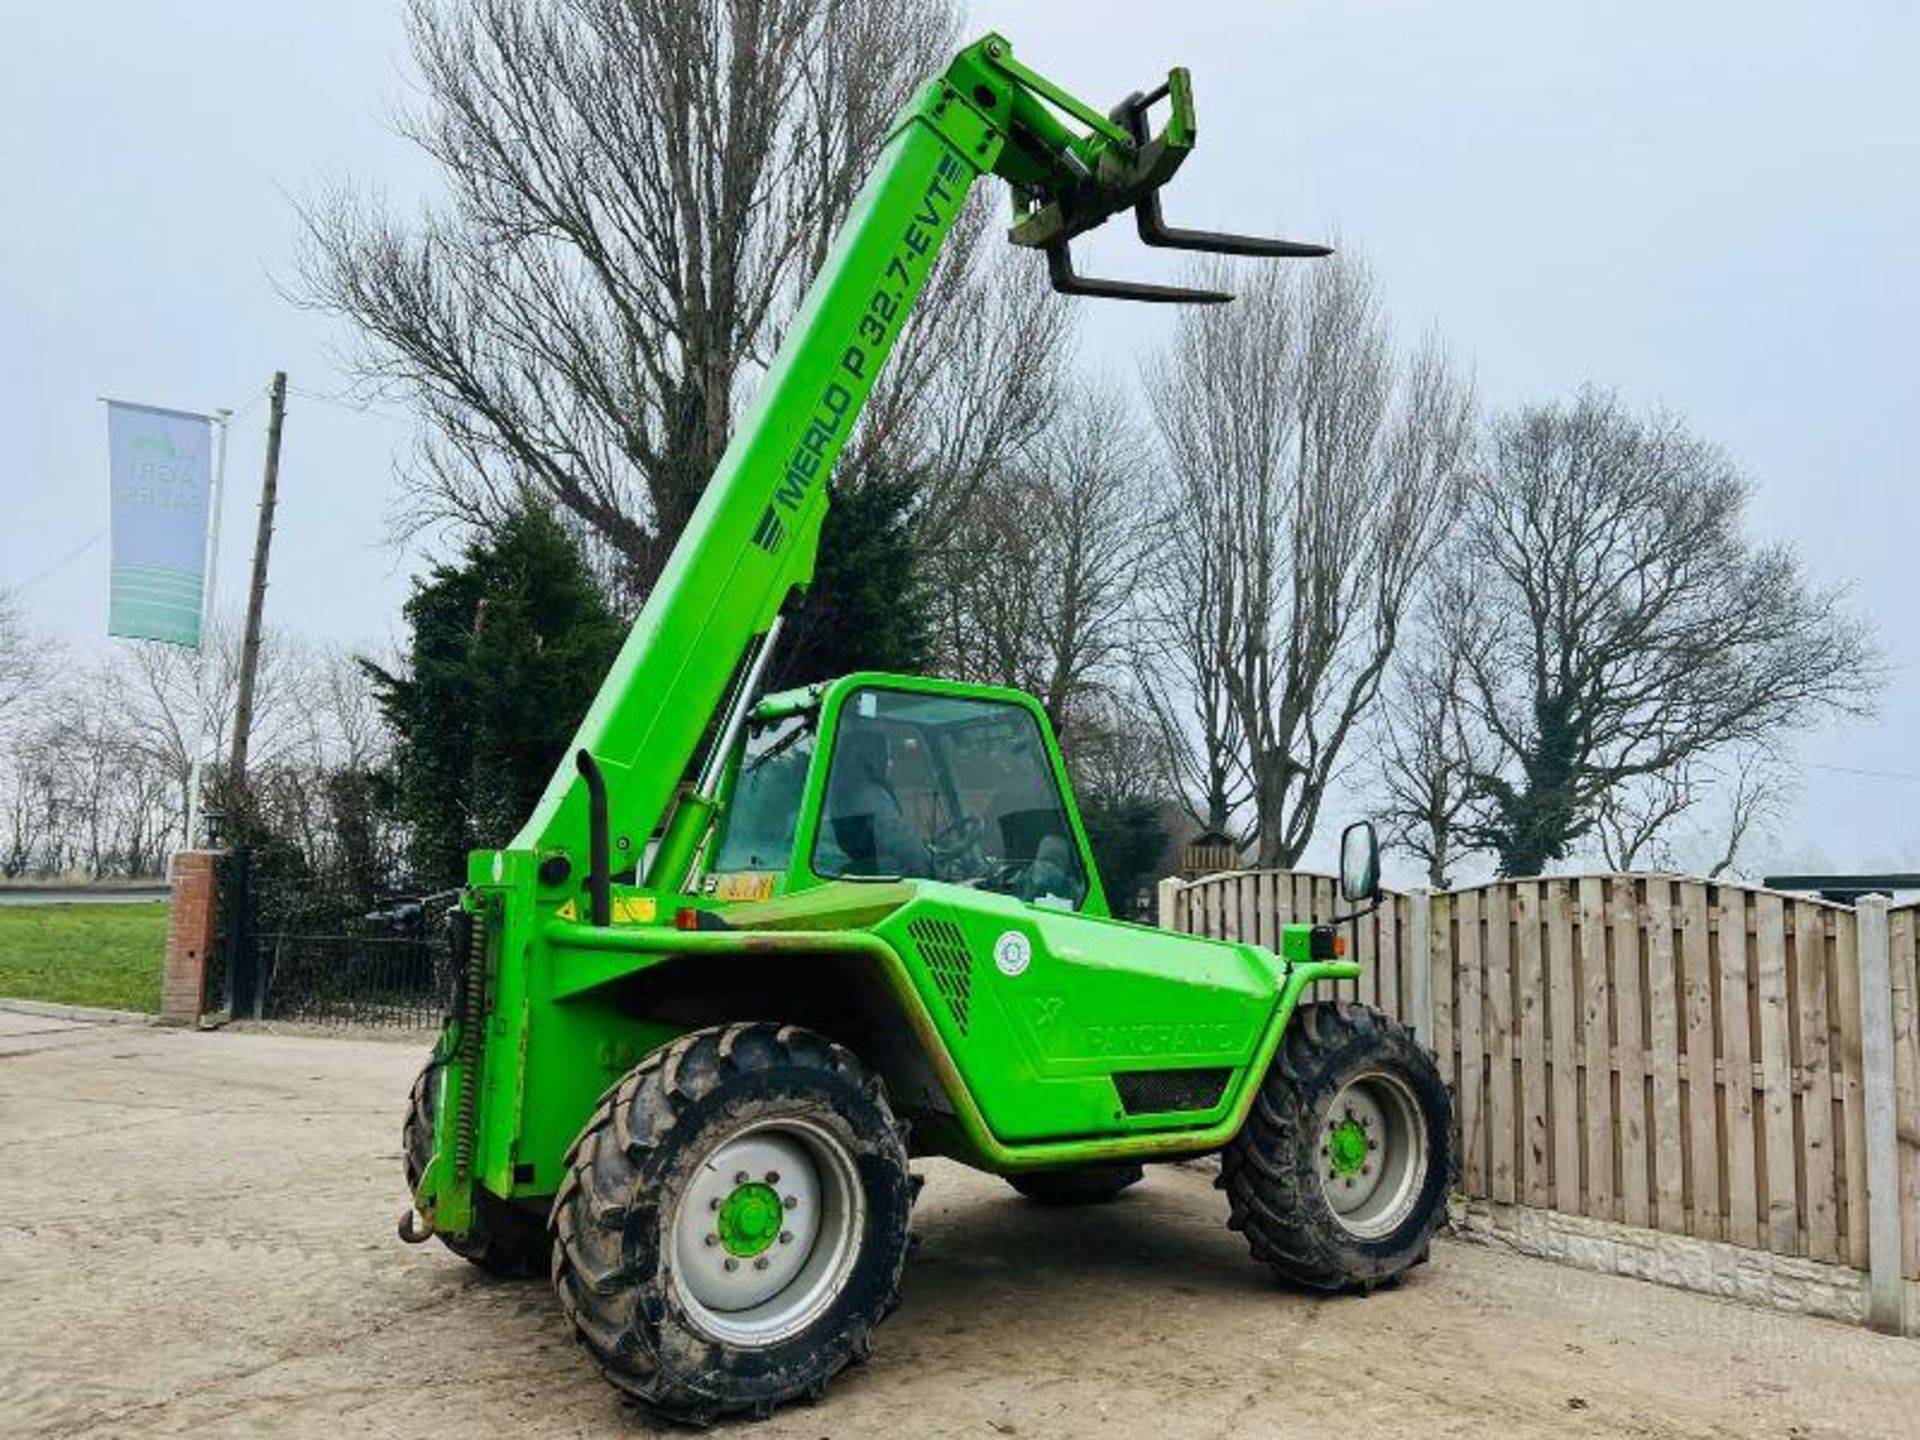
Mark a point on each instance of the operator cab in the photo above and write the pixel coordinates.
(887, 777)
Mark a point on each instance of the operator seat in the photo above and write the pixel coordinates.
(868, 823)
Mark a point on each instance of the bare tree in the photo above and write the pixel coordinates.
(1759, 788)
(1634, 820)
(24, 664)
(1744, 791)
(1318, 469)
(981, 379)
(1184, 632)
(1036, 578)
(93, 779)
(637, 195)
(175, 697)
(1629, 629)
(1427, 744)
(81, 794)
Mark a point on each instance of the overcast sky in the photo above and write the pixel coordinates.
(1710, 206)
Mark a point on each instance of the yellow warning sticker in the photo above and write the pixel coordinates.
(635, 909)
(744, 885)
(627, 910)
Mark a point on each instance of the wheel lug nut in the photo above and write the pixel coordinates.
(714, 1203)
(1373, 1144)
(773, 1177)
(786, 1237)
(791, 1202)
(741, 1178)
(761, 1263)
(733, 1264)
(712, 1240)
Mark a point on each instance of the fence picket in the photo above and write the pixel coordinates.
(1562, 1023)
(1366, 954)
(1530, 976)
(1631, 1105)
(1389, 932)
(1770, 935)
(1736, 1034)
(1848, 1061)
(1816, 1079)
(1501, 1130)
(1443, 964)
(1703, 1101)
(1904, 925)
(1473, 1121)
(1663, 1008)
(1596, 1041)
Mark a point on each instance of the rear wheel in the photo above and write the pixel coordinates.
(733, 1221)
(1339, 1177)
(505, 1240)
(1082, 1185)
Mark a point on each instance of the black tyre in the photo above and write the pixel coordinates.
(505, 1240)
(733, 1221)
(1082, 1185)
(1340, 1175)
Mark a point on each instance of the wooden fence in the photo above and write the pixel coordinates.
(1704, 1059)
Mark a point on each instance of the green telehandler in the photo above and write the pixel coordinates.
(751, 953)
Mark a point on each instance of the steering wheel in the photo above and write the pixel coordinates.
(956, 842)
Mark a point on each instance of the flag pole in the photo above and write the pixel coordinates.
(197, 765)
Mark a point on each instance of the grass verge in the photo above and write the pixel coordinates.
(106, 955)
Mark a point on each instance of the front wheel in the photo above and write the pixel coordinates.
(1339, 1177)
(733, 1221)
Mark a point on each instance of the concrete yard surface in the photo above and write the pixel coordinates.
(196, 1237)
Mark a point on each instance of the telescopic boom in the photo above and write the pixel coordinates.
(752, 541)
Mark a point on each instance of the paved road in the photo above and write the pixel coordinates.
(81, 895)
(196, 1237)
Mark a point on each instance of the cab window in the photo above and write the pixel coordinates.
(947, 788)
(765, 806)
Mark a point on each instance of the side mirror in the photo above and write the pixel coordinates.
(1359, 863)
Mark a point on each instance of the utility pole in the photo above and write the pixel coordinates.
(257, 592)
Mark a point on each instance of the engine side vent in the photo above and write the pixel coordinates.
(944, 949)
(1165, 1092)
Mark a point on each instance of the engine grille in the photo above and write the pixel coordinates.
(1161, 1092)
(944, 948)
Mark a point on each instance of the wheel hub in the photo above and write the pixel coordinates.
(750, 1219)
(1347, 1147)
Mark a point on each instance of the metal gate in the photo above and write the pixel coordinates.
(287, 952)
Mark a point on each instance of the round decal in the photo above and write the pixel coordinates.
(1012, 952)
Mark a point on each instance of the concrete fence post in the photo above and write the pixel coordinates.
(1168, 903)
(1885, 1288)
(1421, 1001)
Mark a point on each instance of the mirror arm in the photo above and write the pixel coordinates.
(1351, 916)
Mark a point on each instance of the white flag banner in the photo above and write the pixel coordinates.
(162, 467)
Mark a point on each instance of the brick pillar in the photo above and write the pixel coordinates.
(191, 927)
